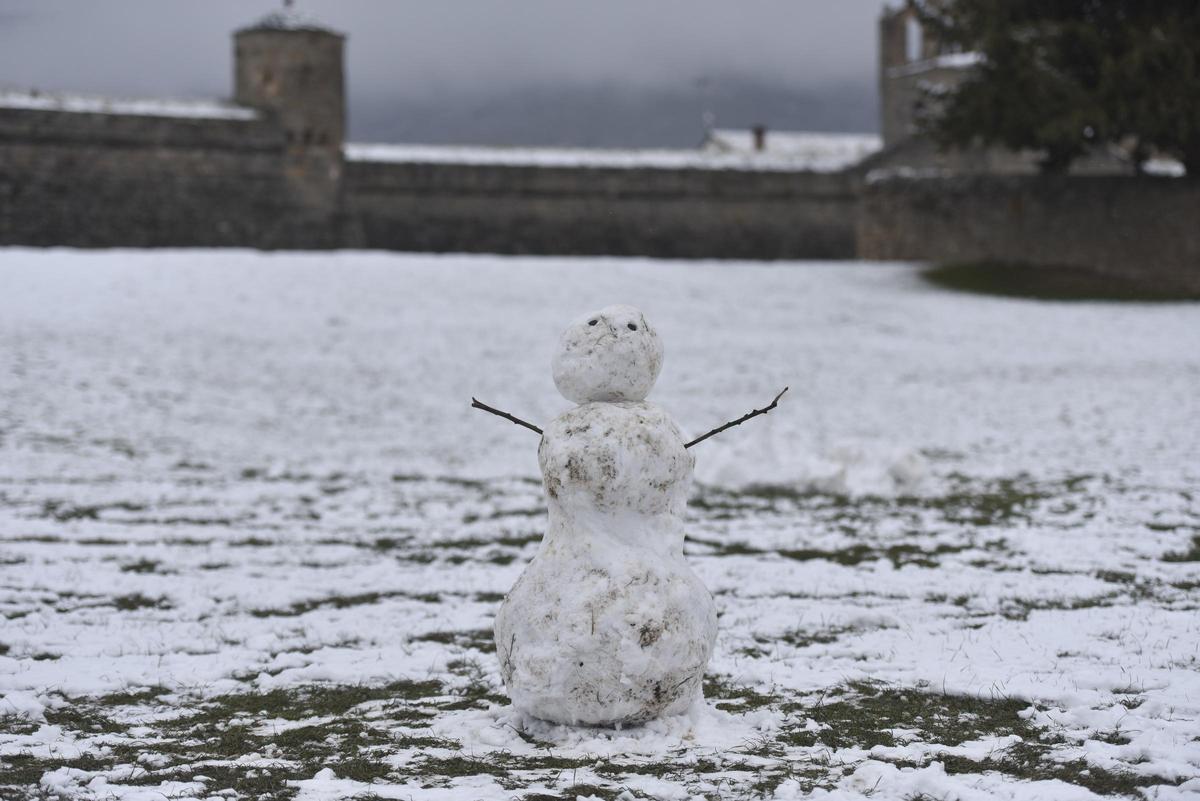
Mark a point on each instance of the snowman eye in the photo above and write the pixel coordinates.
(592, 322)
(631, 327)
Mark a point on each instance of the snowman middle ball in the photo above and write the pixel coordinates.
(608, 625)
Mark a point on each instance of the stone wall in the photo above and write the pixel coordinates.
(1143, 229)
(109, 180)
(611, 211)
(280, 180)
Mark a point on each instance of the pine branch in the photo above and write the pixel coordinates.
(477, 405)
(738, 421)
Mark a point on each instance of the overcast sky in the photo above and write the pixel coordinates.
(461, 60)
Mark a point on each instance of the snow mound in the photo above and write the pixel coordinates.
(701, 727)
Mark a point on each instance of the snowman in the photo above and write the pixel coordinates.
(608, 625)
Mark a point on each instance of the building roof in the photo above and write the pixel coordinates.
(809, 152)
(147, 107)
(815, 151)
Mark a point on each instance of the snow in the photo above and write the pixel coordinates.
(609, 355)
(226, 471)
(87, 104)
(787, 152)
(829, 150)
(951, 61)
(1165, 167)
(608, 624)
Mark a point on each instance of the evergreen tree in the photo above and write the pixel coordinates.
(1062, 75)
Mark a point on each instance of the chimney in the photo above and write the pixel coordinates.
(760, 138)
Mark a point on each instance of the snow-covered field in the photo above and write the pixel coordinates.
(252, 535)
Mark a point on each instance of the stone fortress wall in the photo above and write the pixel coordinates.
(623, 211)
(102, 180)
(270, 170)
(1143, 230)
(990, 205)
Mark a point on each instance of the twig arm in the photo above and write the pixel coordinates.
(738, 421)
(477, 405)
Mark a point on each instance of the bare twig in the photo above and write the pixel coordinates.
(477, 405)
(738, 421)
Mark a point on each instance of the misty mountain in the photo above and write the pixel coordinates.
(608, 115)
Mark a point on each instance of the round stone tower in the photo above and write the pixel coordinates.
(290, 67)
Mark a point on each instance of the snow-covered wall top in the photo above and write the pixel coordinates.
(958, 61)
(152, 107)
(796, 152)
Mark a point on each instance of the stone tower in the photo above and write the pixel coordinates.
(894, 101)
(910, 59)
(291, 68)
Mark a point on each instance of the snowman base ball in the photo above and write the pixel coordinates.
(608, 625)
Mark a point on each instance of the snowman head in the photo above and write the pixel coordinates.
(609, 355)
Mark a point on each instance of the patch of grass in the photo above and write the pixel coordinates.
(311, 700)
(141, 566)
(731, 697)
(128, 697)
(478, 639)
(17, 770)
(80, 716)
(21, 773)
(588, 790)
(61, 511)
(1020, 608)
(127, 603)
(898, 555)
(996, 502)
(361, 769)
(799, 638)
(1192, 554)
(1117, 576)
(342, 602)
(1114, 737)
(474, 697)
(351, 741)
(970, 502)
(459, 765)
(1028, 761)
(865, 715)
(268, 783)
(251, 542)
(10, 724)
(387, 543)
(1046, 283)
(851, 555)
